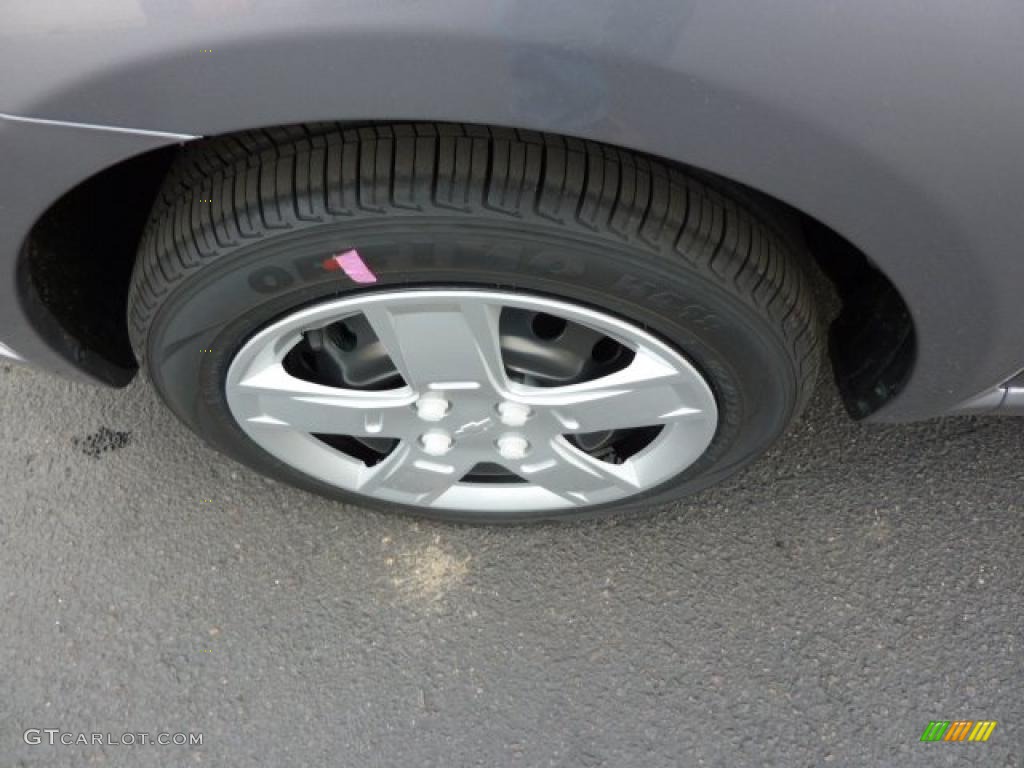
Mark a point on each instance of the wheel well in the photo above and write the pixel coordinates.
(872, 342)
(77, 264)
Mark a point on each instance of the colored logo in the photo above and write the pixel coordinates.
(958, 730)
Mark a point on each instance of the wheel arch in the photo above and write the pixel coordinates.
(906, 145)
(76, 263)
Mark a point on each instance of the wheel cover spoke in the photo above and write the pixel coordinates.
(442, 342)
(285, 401)
(575, 476)
(648, 392)
(459, 409)
(406, 474)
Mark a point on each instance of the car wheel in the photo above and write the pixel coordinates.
(469, 323)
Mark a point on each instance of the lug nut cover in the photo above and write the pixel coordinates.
(431, 408)
(513, 414)
(513, 447)
(436, 443)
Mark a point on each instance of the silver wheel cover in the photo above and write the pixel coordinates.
(458, 407)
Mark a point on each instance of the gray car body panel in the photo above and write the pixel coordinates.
(897, 126)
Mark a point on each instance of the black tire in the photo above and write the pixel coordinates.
(707, 266)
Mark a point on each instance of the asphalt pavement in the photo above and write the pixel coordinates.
(817, 610)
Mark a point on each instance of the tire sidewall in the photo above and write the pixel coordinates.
(201, 324)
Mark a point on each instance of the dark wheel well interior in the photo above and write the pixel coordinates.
(77, 263)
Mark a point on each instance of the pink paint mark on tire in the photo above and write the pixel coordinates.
(351, 263)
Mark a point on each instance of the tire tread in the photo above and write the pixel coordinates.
(298, 176)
